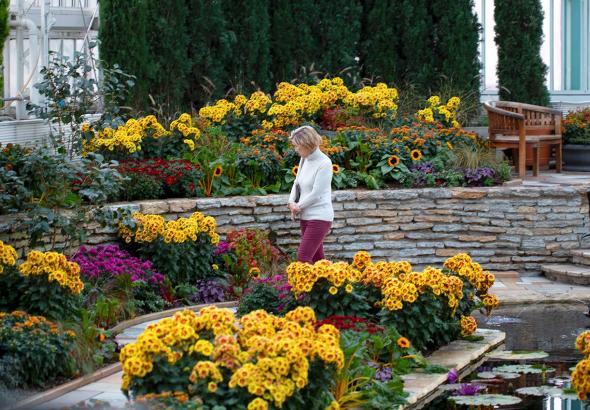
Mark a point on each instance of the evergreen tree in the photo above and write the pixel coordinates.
(209, 51)
(339, 31)
(417, 59)
(456, 33)
(168, 53)
(4, 31)
(293, 38)
(380, 45)
(250, 66)
(399, 43)
(519, 35)
(123, 41)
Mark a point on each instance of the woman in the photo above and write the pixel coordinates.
(311, 195)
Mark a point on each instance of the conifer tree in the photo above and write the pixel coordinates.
(380, 46)
(338, 35)
(123, 41)
(209, 51)
(457, 37)
(168, 53)
(519, 35)
(250, 66)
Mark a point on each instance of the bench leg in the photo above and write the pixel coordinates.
(536, 161)
(558, 158)
(521, 163)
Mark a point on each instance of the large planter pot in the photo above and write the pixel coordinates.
(576, 157)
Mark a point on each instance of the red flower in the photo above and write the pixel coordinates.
(170, 180)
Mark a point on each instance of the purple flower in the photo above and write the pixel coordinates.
(477, 176)
(209, 291)
(425, 167)
(383, 374)
(468, 389)
(222, 247)
(453, 376)
(110, 260)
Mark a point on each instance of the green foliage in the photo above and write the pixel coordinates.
(212, 40)
(38, 347)
(519, 36)
(141, 186)
(428, 323)
(259, 296)
(51, 189)
(250, 65)
(293, 38)
(456, 38)
(271, 295)
(168, 42)
(92, 349)
(326, 304)
(123, 43)
(356, 384)
(35, 294)
(338, 33)
(71, 93)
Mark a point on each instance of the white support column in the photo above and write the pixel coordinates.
(6, 68)
(20, 66)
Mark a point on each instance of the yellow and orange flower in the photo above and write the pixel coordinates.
(393, 161)
(416, 155)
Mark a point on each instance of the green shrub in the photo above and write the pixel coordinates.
(38, 346)
(141, 186)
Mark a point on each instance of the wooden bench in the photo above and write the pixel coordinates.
(518, 125)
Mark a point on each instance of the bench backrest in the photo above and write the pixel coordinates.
(507, 118)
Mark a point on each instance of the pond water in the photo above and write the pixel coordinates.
(551, 328)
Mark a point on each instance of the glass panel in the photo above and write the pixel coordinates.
(573, 44)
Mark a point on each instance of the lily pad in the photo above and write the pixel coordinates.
(486, 400)
(523, 368)
(517, 355)
(541, 391)
(494, 375)
(459, 386)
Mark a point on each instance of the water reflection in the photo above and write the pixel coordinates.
(550, 327)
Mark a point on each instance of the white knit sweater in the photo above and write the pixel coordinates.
(315, 181)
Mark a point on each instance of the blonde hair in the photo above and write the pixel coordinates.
(307, 137)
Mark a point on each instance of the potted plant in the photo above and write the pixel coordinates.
(576, 140)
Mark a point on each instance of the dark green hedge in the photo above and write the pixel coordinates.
(187, 53)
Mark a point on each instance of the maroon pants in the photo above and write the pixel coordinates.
(313, 233)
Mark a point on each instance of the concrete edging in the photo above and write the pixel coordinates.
(62, 389)
(166, 313)
(462, 355)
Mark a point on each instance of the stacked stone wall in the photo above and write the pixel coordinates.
(504, 228)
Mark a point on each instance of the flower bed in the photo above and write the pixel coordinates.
(241, 146)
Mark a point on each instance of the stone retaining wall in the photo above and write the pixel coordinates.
(504, 228)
